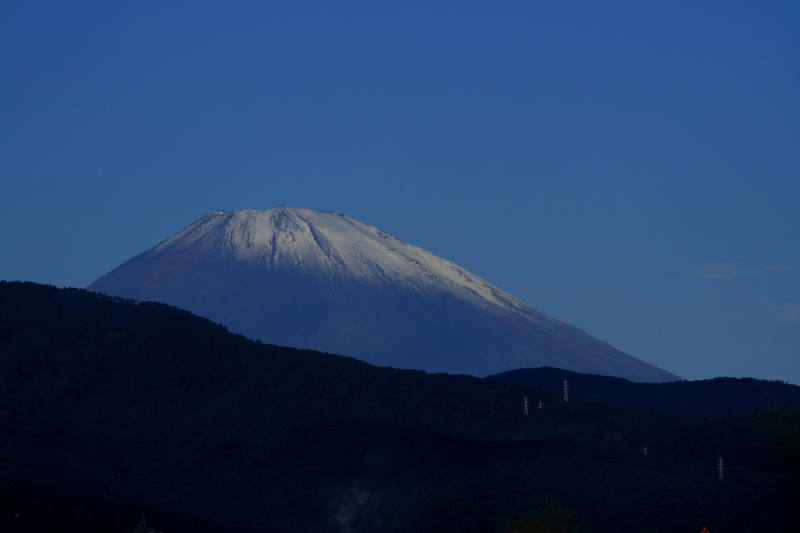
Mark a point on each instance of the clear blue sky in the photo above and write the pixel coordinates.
(631, 168)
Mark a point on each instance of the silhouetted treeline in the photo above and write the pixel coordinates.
(145, 405)
(27, 301)
(708, 398)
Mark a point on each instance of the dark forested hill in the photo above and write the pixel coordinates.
(131, 405)
(26, 301)
(709, 398)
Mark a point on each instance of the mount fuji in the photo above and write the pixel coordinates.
(323, 281)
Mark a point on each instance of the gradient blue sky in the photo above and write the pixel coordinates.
(632, 168)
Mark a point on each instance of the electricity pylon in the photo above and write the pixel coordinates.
(525, 404)
(645, 450)
(721, 468)
(566, 387)
(143, 527)
(540, 404)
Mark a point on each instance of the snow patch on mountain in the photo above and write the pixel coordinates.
(336, 245)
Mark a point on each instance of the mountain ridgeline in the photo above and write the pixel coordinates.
(708, 398)
(323, 281)
(109, 407)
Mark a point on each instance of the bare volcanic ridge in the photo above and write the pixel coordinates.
(321, 280)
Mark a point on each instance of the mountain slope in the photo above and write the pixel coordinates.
(155, 407)
(321, 280)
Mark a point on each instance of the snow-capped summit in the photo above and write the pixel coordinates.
(321, 280)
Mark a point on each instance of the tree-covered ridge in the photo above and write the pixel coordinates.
(708, 398)
(191, 418)
(33, 302)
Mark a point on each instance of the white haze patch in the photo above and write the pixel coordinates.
(355, 504)
(719, 271)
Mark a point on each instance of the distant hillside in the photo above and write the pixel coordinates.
(709, 398)
(153, 408)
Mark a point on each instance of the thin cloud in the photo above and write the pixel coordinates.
(718, 271)
(777, 268)
(787, 313)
